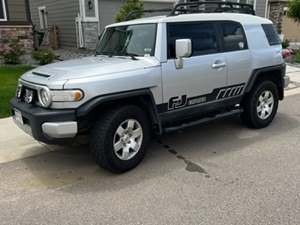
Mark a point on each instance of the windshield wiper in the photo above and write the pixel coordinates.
(109, 54)
(132, 55)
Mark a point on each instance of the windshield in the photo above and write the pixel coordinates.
(132, 40)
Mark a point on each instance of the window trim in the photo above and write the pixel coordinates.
(213, 23)
(222, 36)
(4, 11)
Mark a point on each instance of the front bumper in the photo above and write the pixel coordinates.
(45, 125)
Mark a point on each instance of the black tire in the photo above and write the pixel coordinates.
(250, 115)
(103, 133)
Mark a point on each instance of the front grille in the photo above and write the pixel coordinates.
(27, 95)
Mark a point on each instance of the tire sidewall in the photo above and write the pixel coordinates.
(266, 85)
(129, 112)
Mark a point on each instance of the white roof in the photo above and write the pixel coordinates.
(244, 19)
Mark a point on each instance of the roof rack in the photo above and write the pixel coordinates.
(211, 7)
(200, 7)
(133, 13)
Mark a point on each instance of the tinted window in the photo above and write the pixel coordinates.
(202, 35)
(233, 36)
(1, 10)
(271, 34)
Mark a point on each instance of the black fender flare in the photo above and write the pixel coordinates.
(257, 72)
(145, 96)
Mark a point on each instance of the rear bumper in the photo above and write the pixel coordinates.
(45, 125)
(286, 81)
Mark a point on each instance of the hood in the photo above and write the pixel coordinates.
(87, 67)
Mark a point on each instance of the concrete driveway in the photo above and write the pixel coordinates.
(217, 173)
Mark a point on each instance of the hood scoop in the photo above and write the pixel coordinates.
(41, 74)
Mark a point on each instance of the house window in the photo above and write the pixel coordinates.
(89, 10)
(3, 15)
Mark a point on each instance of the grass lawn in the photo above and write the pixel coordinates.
(9, 76)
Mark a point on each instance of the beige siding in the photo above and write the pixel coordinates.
(16, 10)
(61, 13)
(290, 29)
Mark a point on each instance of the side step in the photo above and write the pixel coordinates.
(203, 120)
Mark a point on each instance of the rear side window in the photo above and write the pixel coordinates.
(271, 34)
(203, 37)
(234, 38)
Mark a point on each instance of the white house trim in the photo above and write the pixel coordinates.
(83, 15)
(4, 11)
(267, 9)
(43, 17)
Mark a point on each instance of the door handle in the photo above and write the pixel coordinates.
(218, 65)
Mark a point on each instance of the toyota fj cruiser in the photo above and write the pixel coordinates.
(155, 75)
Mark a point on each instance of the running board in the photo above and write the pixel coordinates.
(203, 120)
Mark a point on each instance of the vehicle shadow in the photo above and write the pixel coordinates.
(73, 170)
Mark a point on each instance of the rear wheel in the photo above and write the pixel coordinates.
(119, 139)
(261, 104)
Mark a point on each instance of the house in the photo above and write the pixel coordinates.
(80, 22)
(15, 23)
(276, 11)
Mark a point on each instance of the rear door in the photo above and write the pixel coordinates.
(237, 53)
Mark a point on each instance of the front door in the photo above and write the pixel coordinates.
(202, 73)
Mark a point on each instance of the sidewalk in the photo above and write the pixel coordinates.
(294, 74)
(15, 144)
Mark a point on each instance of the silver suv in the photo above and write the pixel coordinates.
(155, 75)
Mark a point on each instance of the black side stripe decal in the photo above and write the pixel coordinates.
(178, 102)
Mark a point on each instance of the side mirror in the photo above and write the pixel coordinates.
(183, 50)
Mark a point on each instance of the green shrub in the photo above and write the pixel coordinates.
(135, 7)
(285, 43)
(297, 57)
(44, 56)
(294, 10)
(11, 55)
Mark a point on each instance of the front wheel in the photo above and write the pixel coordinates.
(261, 104)
(119, 139)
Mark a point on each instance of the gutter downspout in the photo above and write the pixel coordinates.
(267, 9)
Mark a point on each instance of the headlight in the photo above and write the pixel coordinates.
(67, 96)
(45, 97)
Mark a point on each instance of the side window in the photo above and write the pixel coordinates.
(233, 37)
(203, 36)
(271, 34)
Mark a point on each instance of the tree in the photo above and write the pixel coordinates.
(294, 10)
(132, 9)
